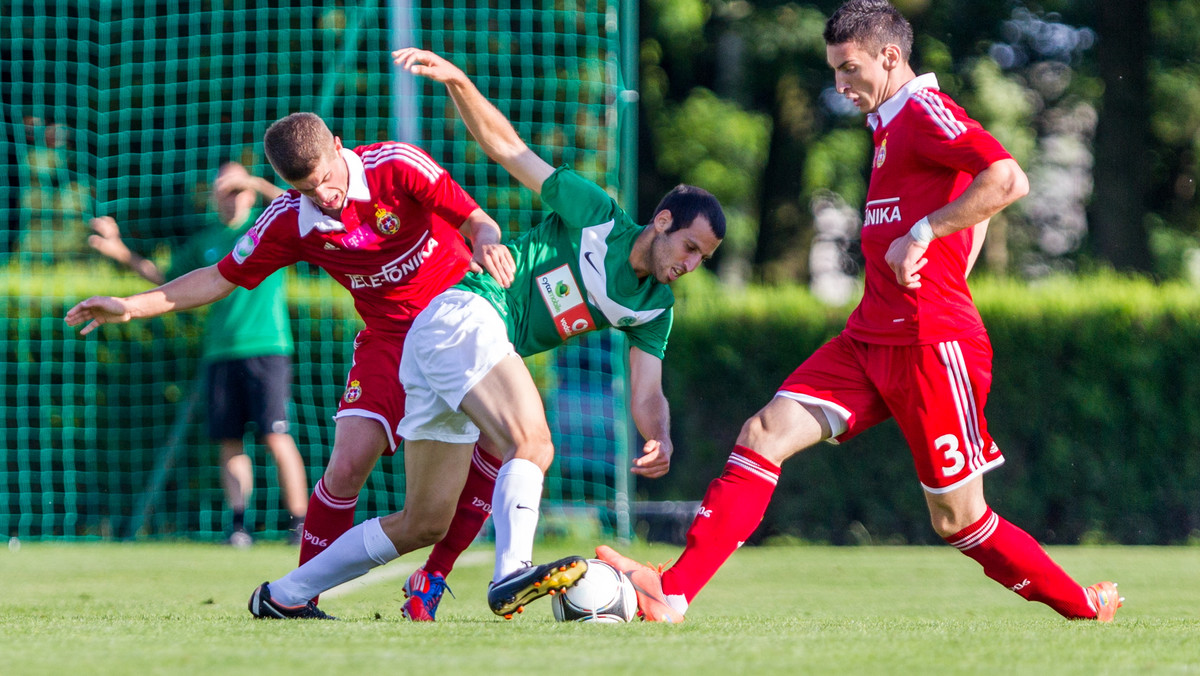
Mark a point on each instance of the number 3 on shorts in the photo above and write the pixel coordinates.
(955, 460)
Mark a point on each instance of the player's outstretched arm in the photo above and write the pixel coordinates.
(107, 241)
(651, 414)
(487, 125)
(489, 254)
(196, 288)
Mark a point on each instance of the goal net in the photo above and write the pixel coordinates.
(128, 109)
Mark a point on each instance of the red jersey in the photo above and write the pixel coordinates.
(927, 151)
(397, 244)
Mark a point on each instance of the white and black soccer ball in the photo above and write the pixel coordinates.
(603, 594)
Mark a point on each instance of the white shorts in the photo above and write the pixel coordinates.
(452, 345)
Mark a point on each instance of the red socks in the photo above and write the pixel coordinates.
(1013, 558)
(736, 501)
(330, 516)
(732, 508)
(474, 506)
(327, 518)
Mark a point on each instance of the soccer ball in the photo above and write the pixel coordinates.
(603, 594)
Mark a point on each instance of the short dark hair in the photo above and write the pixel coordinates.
(686, 202)
(872, 25)
(296, 143)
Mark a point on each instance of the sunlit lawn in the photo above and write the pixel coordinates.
(180, 608)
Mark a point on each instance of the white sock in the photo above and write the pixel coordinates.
(678, 602)
(515, 506)
(354, 553)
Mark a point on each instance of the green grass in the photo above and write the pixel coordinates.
(179, 608)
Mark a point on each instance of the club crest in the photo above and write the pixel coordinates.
(353, 392)
(386, 222)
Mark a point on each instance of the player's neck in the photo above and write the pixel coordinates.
(639, 253)
(897, 79)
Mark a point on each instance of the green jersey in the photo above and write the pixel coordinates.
(247, 322)
(574, 276)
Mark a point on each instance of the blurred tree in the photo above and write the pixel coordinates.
(1122, 171)
(1171, 150)
(1098, 99)
(714, 143)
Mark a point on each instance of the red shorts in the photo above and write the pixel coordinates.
(935, 392)
(373, 387)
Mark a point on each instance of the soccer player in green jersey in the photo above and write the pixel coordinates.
(247, 347)
(587, 266)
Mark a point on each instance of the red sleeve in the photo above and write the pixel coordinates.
(411, 171)
(946, 136)
(268, 246)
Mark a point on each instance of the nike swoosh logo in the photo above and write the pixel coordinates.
(524, 507)
(588, 256)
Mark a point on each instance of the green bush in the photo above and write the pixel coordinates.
(1095, 404)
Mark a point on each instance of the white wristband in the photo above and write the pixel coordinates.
(922, 231)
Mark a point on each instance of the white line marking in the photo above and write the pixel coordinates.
(396, 570)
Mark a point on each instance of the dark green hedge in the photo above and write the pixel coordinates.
(1095, 404)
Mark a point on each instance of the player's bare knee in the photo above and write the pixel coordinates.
(412, 528)
(759, 437)
(947, 522)
(943, 525)
(235, 458)
(754, 432)
(430, 533)
(344, 477)
(538, 450)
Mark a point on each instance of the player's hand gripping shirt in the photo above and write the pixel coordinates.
(573, 274)
(927, 151)
(397, 244)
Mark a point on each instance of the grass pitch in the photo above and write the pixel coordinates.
(180, 608)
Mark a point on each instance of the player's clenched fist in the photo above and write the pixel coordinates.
(98, 310)
(906, 257)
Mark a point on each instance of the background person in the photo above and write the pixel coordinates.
(247, 348)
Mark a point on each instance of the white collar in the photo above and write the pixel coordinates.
(891, 108)
(311, 215)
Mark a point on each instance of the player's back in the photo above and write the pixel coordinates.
(573, 274)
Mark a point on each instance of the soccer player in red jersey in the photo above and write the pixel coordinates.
(915, 348)
(385, 221)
